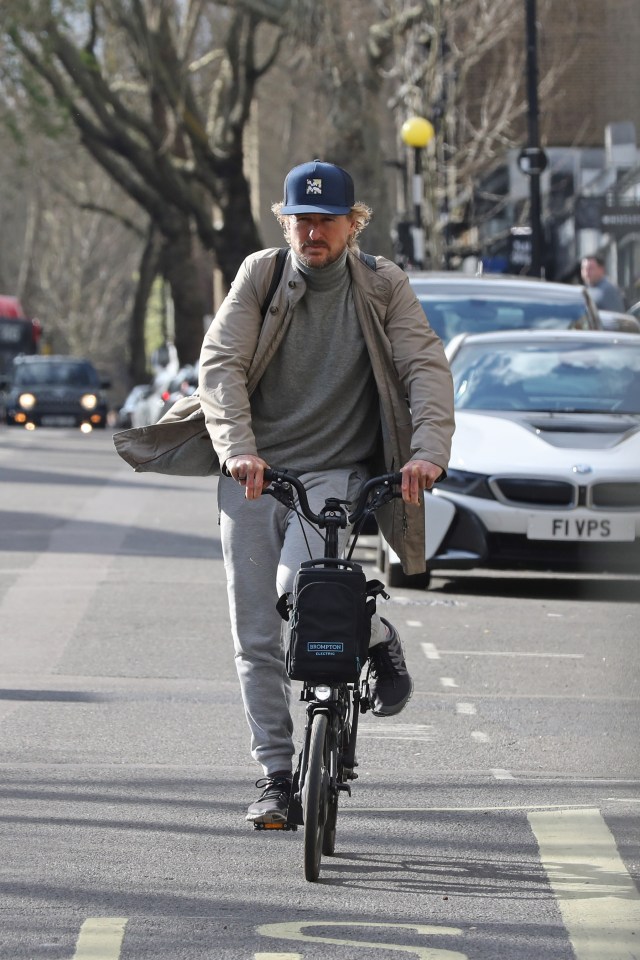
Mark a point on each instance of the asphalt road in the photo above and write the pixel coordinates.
(495, 819)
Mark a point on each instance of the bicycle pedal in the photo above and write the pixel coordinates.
(275, 826)
(350, 774)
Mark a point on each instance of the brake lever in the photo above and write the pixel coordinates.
(282, 491)
(379, 497)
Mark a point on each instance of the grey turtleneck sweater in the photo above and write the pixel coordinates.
(316, 407)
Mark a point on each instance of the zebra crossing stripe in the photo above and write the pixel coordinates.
(599, 903)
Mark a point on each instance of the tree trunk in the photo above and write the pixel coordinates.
(238, 235)
(147, 272)
(180, 269)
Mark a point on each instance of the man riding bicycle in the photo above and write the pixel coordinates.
(343, 378)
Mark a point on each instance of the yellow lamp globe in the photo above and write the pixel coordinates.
(417, 132)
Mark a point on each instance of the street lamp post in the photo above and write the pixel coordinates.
(417, 133)
(532, 158)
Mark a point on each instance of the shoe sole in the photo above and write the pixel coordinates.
(267, 818)
(393, 711)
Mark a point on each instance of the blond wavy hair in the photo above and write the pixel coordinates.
(360, 214)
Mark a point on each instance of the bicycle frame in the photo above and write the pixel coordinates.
(328, 756)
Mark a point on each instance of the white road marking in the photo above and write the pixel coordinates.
(467, 709)
(448, 682)
(500, 774)
(582, 697)
(598, 900)
(503, 807)
(479, 736)
(414, 623)
(396, 731)
(278, 956)
(100, 938)
(430, 651)
(511, 653)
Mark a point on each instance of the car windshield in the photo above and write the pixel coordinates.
(56, 374)
(555, 377)
(450, 315)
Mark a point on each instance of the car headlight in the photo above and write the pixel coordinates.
(27, 401)
(470, 484)
(89, 401)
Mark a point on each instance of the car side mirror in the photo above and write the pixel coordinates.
(105, 383)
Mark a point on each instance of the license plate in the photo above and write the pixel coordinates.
(51, 420)
(591, 529)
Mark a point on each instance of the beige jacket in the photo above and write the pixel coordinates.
(408, 361)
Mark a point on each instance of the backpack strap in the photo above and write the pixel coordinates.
(369, 260)
(278, 269)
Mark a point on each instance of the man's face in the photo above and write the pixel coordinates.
(319, 238)
(591, 271)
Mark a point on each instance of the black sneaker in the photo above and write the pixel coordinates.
(273, 803)
(390, 685)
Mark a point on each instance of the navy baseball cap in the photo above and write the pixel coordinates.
(318, 187)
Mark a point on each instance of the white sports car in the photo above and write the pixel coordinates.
(545, 466)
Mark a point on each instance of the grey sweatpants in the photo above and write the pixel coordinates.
(263, 546)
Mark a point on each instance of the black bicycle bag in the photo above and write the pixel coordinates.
(326, 636)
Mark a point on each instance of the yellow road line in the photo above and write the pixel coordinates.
(599, 903)
(100, 938)
(296, 931)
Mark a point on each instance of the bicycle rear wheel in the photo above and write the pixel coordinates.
(315, 797)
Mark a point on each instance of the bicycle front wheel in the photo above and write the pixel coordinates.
(329, 837)
(315, 797)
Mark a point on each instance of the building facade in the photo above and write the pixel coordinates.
(589, 112)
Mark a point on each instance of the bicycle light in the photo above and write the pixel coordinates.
(323, 692)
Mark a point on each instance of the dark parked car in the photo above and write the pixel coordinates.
(456, 303)
(56, 391)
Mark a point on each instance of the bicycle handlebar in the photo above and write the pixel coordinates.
(387, 480)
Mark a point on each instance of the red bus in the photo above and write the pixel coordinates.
(18, 334)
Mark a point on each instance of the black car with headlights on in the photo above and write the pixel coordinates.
(56, 391)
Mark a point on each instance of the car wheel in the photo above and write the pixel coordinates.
(396, 577)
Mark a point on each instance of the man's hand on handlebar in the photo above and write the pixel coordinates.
(248, 470)
(418, 475)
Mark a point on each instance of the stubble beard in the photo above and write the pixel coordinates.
(308, 262)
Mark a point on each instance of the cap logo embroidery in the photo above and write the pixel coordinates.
(314, 186)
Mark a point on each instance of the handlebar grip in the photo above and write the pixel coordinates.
(272, 474)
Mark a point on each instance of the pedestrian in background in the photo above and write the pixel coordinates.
(605, 294)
